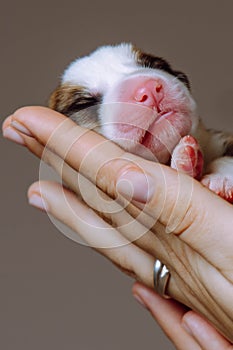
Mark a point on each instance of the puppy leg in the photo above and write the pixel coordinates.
(187, 157)
(219, 178)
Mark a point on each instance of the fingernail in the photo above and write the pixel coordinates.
(12, 135)
(37, 201)
(141, 302)
(20, 127)
(186, 327)
(136, 185)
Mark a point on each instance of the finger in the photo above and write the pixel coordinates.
(149, 297)
(10, 133)
(95, 157)
(13, 134)
(65, 138)
(67, 208)
(168, 314)
(6, 123)
(204, 333)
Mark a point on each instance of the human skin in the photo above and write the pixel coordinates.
(185, 328)
(190, 228)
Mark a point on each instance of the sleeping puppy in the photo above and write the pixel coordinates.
(141, 103)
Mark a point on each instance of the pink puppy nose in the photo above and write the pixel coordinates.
(150, 94)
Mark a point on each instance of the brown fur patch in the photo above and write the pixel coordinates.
(69, 99)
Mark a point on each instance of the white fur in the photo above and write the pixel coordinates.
(106, 66)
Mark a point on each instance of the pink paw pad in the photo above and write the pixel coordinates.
(187, 157)
(220, 184)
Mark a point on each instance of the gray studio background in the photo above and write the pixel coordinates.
(56, 294)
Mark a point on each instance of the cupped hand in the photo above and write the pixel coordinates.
(155, 212)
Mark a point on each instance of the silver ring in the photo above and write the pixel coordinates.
(161, 278)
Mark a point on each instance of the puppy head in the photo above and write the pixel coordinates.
(129, 96)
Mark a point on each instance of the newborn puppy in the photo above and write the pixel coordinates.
(141, 103)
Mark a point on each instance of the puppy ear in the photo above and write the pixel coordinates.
(69, 99)
(155, 62)
(183, 77)
(229, 148)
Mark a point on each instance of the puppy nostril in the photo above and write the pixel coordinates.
(158, 88)
(141, 98)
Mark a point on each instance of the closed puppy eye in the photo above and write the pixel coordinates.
(69, 99)
(80, 102)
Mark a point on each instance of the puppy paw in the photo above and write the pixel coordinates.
(220, 184)
(187, 157)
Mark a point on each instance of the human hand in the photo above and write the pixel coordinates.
(168, 202)
(185, 328)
